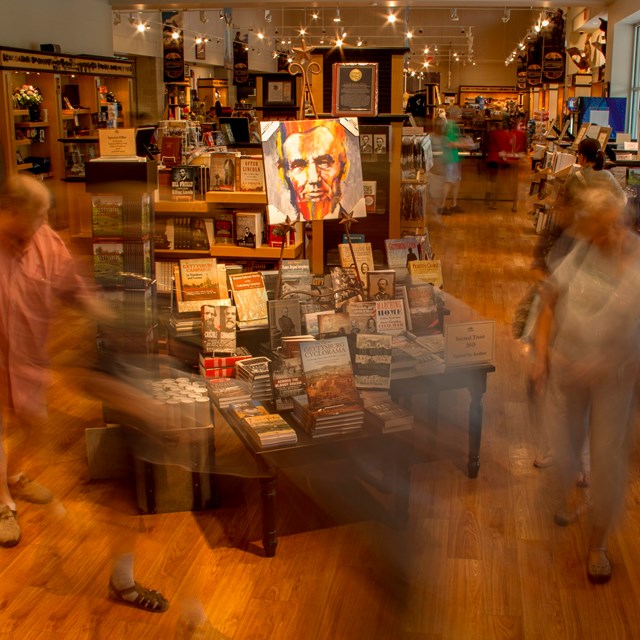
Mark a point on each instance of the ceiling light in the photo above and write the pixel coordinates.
(303, 32)
(175, 35)
(117, 19)
(198, 40)
(315, 15)
(409, 34)
(391, 18)
(203, 17)
(454, 15)
(132, 19)
(337, 16)
(142, 27)
(339, 42)
(506, 16)
(260, 35)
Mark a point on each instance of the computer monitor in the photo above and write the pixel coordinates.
(145, 142)
(239, 128)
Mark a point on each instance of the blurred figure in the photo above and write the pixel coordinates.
(495, 152)
(587, 351)
(436, 176)
(451, 156)
(36, 270)
(552, 247)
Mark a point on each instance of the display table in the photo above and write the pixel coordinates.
(405, 383)
(308, 450)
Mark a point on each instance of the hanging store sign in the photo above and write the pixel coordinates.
(172, 47)
(57, 63)
(553, 57)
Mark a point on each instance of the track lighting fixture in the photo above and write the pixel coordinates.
(506, 16)
(203, 17)
(545, 21)
(117, 19)
(391, 18)
(175, 35)
(221, 14)
(454, 15)
(132, 19)
(337, 17)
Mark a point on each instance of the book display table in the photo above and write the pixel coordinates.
(406, 383)
(307, 450)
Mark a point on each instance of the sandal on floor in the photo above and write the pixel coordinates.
(599, 571)
(145, 599)
(584, 480)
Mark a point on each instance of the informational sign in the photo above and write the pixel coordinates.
(469, 343)
(355, 89)
(117, 143)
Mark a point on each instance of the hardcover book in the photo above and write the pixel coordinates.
(224, 391)
(270, 430)
(284, 320)
(171, 150)
(331, 325)
(220, 359)
(363, 255)
(223, 227)
(250, 173)
(199, 279)
(381, 284)
(372, 366)
(108, 263)
(217, 372)
(362, 316)
(389, 416)
(345, 285)
(183, 182)
(242, 410)
(222, 172)
(429, 271)
(328, 373)
(249, 229)
(218, 328)
(287, 380)
(390, 317)
(423, 307)
(401, 251)
(249, 296)
(370, 200)
(298, 287)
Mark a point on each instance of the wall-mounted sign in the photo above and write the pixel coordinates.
(355, 89)
(58, 63)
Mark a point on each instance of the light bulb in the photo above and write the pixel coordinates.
(175, 35)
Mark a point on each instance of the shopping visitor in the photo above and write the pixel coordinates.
(588, 353)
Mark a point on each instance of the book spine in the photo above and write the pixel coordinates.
(218, 372)
(219, 362)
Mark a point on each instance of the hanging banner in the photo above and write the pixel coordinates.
(521, 71)
(172, 48)
(534, 63)
(240, 58)
(227, 14)
(553, 59)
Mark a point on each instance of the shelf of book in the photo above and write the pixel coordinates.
(261, 253)
(193, 207)
(237, 197)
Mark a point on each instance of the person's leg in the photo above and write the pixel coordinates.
(9, 528)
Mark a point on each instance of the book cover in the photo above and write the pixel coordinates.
(218, 328)
(107, 217)
(254, 368)
(345, 285)
(390, 317)
(381, 284)
(400, 293)
(363, 254)
(270, 430)
(277, 237)
(108, 263)
(250, 173)
(222, 172)
(328, 372)
(164, 234)
(183, 182)
(242, 410)
(298, 287)
(362, 316)
(389, 415)
(249, 296)
(284, 320)
(249, 229)
(287, 381)
(218, 359)
(423, 307)
(291, 345)
(292, 269)
(331, 325)
(401, 251)
(370, 188)
(372, 365)
(171, 150)
(199, 234)
(199, 279)
(429, 271)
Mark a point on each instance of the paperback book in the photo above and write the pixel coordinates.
(249, 296)
(372, 366)
(284, 320)
(429, 271)
(287, 380)
(218, 328)
(218, 359)
(249, 229)
(401, 251)
(270, 430)
(107, 217)
(183, 182)
(223, 171)
(381, 284)
(345, 285)
(363, 257)
(362, 316)
(199, 279)
(389, 417)
(328, 372)
(423, 307)
(390, 318)
(250, 173)
(333, 324)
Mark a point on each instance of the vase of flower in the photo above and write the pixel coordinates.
(28, 97)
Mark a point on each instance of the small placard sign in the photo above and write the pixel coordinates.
(469, 343)
(117, 143)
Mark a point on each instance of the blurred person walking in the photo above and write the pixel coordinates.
(587, 353)
(37, 271)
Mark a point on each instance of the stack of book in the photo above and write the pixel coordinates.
(255, 372)
(262, 428)
(221, 364)
(224, 391)
(327, 421)
(388, 416)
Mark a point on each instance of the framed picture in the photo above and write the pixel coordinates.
(603, 136)
(354, 89)
(201, 51)
(312, 169)
(581, 133)
(279, 91)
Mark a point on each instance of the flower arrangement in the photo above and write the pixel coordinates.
(27, 96)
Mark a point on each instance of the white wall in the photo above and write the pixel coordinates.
(78, 26)
(623, 14)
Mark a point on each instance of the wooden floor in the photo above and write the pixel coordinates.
(479, 559)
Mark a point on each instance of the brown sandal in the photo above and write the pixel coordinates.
(599, 571)
(145, 599)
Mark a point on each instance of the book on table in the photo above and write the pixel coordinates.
(269, 430)
(333, 324)
(429, 271)
(362, 316)
(224, 391)
(381, 284)
(389, 416)
(372, 362)
(217, 359)
(401, 251)
(284, 320)
(287, 380)
(363, 257)
(249, 296)
(390, 317)
(218, 328)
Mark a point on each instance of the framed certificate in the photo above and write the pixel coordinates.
(278, 91)
(354, 89)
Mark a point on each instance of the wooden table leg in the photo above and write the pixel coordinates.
(475, 431)
(269, 530)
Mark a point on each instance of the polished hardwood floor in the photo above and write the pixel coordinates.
(478, 559)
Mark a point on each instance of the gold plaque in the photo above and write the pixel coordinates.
(355, 75)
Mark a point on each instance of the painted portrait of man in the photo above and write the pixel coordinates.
(312, 169)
